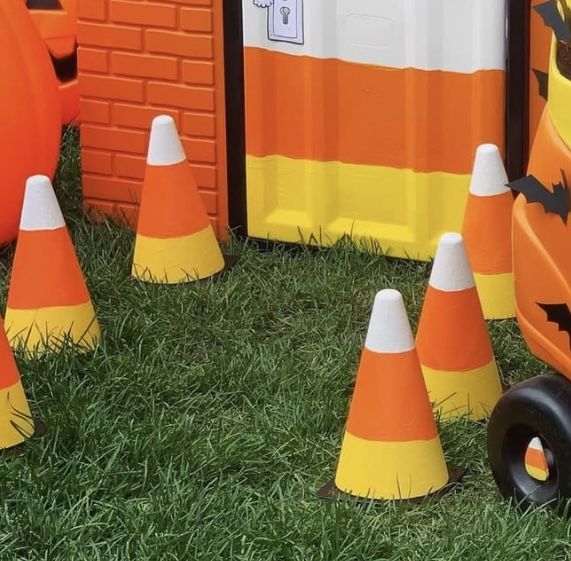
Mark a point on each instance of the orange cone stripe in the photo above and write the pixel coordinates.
(536, 458)
(487, 233)
(9, 374)
(384, 383)
(378, 128)
(37, 280)
(452, 334)
(170, 206)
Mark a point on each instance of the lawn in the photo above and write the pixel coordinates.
(203, 426)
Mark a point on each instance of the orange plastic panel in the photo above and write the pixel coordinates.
(376, 130)
(58, 26)
(138, 60)
(29, 112)
(542, 245)
(540, 43)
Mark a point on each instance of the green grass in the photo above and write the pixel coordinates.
(204, 425)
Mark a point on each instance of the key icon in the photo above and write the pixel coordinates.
(285, 12)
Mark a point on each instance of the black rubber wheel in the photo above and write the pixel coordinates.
(540, 407)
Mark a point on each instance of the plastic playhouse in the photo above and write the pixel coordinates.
(417, 129)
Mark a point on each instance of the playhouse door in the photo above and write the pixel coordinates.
(362, 116)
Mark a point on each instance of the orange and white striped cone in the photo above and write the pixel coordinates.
(175, 241)
(391, 449)
(48, 302)
(536, 463)
(16, 422)
(453, 342)
(487, 233)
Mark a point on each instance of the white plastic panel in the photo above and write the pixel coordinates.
(451, 35)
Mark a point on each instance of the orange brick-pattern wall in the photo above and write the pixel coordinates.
(139, 59)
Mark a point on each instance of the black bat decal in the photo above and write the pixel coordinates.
(560, 315)
(66, 67)
(552, 18)
(555, 202)
(44, 5)
(542, 82)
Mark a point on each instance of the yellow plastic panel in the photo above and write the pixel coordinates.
(319, 202)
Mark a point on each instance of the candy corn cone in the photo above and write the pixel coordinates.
(175, 240)
(48, 301)
(16, 423)
(391, 448)
(487, 233)
(453, 342)
(536, 463)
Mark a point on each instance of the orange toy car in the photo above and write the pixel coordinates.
(538, 412)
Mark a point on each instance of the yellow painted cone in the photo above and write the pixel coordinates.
(391, 449)
(487, 233)
(175, 241)
(453, 342)
(48, 301)
(536, 463)
(16, 423)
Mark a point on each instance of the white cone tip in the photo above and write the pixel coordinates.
(451, 271)
(535, 444)
(165, 147)
(41, 209)
(389, 328)
(489, 177)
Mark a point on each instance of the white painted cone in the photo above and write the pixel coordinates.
(451, 271)
(41, 209)
(165, 147)
(489, 177)
(389, 328)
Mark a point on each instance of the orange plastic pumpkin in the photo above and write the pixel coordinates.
(30, 114)
(57, 22)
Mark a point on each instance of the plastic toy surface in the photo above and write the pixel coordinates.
(57, 22)
(540, 42)
(542, 234)
(160, 58)
(363, 120)
(529, 436)
(29, 112)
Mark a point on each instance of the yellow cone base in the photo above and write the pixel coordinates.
(471, 394)
(390, 470)
(45, 330)
(16, 423)
(497, 295)
(537, 473)
(177, 260)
